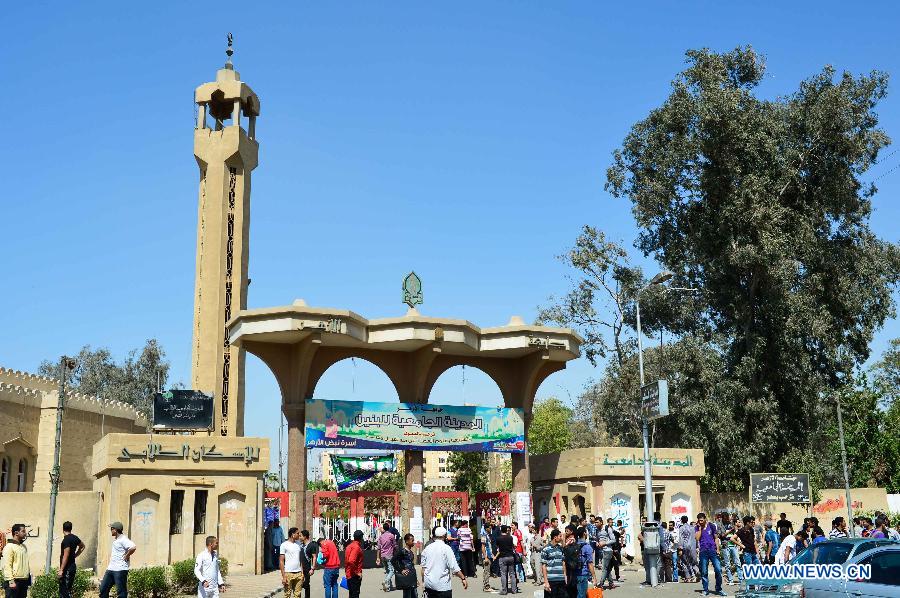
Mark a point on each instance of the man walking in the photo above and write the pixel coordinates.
(307, 558)
(353, 564)
(536, 545)
(687, 551)
(438, 566)
(331, 566)
(119, 562)
(290, 563)
(207, 570)
(387, 544)
(553, 567)
(71, 548)
(506, 557)
(487, 556)
(707, 538)
(16, 570)
(605, 538)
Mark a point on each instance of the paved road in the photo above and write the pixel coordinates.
(630, 588)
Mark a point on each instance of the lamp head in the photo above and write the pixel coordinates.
(661, 277)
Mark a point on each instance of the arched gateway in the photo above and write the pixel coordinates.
(299, 343)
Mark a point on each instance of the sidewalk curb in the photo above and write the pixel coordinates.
(271, 593)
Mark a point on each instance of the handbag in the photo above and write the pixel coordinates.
(405, 582)
(595, 593)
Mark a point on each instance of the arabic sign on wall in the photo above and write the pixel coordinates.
(779, 487)
(656, 460)
(182, 410)
(367, 425)
(185, 452)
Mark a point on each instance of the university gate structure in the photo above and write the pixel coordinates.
(299, 342)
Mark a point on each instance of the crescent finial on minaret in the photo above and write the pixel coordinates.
(229, 51)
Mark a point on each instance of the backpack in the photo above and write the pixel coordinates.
(572, 557)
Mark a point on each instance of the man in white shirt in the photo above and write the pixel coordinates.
(119, 562)
(438, 566)
(291, 565)
(207, 571)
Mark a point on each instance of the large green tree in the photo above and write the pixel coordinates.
(470, 472)
(550, 430)
(761, 204)
(887, 373)
(132, 381)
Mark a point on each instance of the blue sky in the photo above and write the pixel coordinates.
(467, 141)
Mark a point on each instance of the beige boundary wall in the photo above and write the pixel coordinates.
(832, 503)
(33, 509)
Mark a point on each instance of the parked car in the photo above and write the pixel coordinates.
(829, 552)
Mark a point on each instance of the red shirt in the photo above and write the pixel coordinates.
(519, 547)
(353, 560)
(330, 553)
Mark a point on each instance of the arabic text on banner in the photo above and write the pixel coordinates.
(412, 426)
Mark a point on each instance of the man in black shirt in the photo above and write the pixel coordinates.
(307, 559)
(72, 547)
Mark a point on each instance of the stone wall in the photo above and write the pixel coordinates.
(28, 408)
(33, 509)
(832, 503)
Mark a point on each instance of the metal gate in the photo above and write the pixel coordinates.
(448, 506)
(337, 515)
(492, 505)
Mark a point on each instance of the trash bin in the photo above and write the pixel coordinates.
(652, 556)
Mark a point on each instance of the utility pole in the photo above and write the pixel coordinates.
(65, 364)
(846, 473)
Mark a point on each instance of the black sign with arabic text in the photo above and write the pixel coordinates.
(779, 487)
(182, 410)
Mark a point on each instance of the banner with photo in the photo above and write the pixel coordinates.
(413, 426)
(352, 470)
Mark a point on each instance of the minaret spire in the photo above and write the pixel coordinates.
(229, 51)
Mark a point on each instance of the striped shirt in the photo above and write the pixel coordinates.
(552, 557)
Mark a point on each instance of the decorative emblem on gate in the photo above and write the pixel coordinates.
(412, 290)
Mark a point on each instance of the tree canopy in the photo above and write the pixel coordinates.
(762, 206)
(132, 381)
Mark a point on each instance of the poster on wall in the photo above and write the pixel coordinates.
(424, 427)
(523, 508)
(620, 510)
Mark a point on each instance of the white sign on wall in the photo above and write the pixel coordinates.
(681, 505)
(620, 510)
(523, 509)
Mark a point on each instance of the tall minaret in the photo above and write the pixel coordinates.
(226, 154)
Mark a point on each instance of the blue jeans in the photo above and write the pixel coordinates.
(751, 558)
(114, 578)
(731, 559)
(388, 572)
(675, 566)
(705, 557)
(583, 581)
(330, 581)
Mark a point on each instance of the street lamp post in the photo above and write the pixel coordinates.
(65, 364)
(648, 477)
(850, 525)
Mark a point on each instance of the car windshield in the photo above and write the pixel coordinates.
(825, 553)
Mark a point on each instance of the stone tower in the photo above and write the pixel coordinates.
(226, 153)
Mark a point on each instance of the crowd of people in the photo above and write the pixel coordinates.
(566, 558)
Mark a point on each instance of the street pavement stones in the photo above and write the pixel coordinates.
(631, 587)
